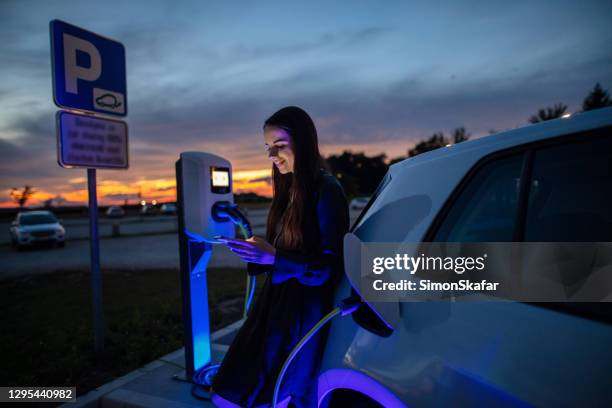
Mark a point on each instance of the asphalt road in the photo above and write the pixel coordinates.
(130, 226)
(140, 252)
(152, 247)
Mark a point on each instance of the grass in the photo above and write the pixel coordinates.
(47, 335)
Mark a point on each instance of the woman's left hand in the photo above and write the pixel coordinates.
(255, 249)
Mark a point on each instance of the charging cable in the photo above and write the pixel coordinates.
(344, 308)
(223, 211)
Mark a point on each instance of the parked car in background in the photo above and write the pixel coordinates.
(168, 209)
(359, 203)
(115, 211)
(36, 227)
(148, 209)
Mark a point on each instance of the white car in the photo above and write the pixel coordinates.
(115, 211)
(148, 209)
(36, 227)
(547, 182)
(168, 209)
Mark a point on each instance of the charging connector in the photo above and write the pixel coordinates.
(223, 211)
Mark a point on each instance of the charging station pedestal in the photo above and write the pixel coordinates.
(202, 179)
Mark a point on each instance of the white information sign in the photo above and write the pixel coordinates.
(91, 142)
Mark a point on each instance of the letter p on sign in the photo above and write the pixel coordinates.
(88, 70)
(72, 71)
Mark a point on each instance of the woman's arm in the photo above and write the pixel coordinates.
(316, 269)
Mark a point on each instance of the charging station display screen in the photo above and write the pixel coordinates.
(220, 180)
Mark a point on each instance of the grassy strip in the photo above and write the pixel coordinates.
(47, 335)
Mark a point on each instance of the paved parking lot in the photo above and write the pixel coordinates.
(130, 226)
(150, 247)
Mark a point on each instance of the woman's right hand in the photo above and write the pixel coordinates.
(255, 249)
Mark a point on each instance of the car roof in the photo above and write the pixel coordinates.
(37, 212)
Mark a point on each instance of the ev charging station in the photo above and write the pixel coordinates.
(206, 209)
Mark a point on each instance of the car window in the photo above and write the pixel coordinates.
(569, 201)
(35, 219)
(571, 192)
(570, 195)
(486, 209)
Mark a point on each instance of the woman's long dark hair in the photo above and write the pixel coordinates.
(294, 192)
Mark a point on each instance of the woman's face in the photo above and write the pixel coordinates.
(279, 147)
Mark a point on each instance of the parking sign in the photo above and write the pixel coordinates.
(88, 70)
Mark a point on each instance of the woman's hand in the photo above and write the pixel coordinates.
(255, 249)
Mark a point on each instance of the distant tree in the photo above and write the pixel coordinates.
(597, 98)
(435, 141)
(21, 196)
(460, 135)
(549, 113)
(249, 198)
(359, 174)
(56, 201)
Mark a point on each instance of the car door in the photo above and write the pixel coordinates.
(557, 190)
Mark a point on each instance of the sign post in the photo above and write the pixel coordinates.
(89, 76)
(94, 251)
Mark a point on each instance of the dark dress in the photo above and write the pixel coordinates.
(297, 293)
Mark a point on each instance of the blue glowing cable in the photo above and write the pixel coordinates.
(250, 284)
(297, 349)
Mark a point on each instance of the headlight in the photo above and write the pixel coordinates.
(60, 230)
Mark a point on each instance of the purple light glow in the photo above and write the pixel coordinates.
(221, 402)
(357, 381)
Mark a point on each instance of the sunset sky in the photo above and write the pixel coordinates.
(375, 76)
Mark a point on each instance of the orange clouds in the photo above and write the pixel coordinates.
(160, 189)
(255, 181)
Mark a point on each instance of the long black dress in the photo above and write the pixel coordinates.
(297, 293)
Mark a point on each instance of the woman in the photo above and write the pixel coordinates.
(302, 260)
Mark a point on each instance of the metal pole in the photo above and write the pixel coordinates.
(96, 278)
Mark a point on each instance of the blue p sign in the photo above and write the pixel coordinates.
(88, 70)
